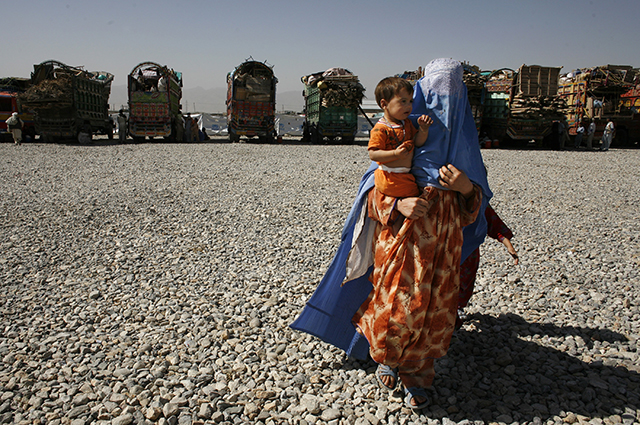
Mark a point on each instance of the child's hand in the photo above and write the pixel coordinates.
(424, 121)
(402, 152)
(506, 242)
(454, 179)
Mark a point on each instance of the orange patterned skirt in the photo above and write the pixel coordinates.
(410, 314)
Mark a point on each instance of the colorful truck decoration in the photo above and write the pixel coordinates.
(155, 92)
(251, 102)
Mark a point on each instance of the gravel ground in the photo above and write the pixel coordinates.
(156, 282)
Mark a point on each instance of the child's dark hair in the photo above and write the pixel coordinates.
(391, 86)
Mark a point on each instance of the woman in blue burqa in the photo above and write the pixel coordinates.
(391, 290)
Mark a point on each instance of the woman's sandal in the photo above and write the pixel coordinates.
(412, 392)
(384, 370)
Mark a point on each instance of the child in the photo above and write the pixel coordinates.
(394, 137)
(497, 230)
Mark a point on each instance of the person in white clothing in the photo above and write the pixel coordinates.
(607, 137)
(591, 131)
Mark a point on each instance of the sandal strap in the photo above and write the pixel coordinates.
(412, 392)
(385, 370)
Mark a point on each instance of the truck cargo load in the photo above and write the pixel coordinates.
(533, 104)
(597, 94)
(67, 100)
(10, 88)
(251, 102)
(155, 92)
(331, 101)
(475, 82)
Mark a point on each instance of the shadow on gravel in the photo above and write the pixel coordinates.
(503, 369)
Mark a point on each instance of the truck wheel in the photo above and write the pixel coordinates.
(234, 138)
(31, 134)
(348, 140)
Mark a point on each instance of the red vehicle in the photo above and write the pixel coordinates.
(9, 90)
(251, 102)
(631, 101)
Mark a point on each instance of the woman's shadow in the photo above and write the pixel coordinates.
(505, 369)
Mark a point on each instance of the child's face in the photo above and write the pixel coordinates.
(399, 107)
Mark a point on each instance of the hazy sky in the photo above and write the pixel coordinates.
(374, 39)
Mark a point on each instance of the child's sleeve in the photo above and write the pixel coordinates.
(496, 228)
(378, 138)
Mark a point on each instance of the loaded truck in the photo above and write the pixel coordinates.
(67, 100)
(251, 102)
(496, 104)
(155, 92)
(331, 102)
(10, 88)
(475, 82)
(599, 94)
(533, 103)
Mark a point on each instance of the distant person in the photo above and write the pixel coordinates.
(591, 131)
(497, 230)
(562, 134)
(607, 137)
(162, 84)
(393, 138)
(122, 126)
(579, 135)
(195, 137)
(188, 123)
(15, 125)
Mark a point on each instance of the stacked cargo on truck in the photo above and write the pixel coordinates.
(475, 82)
(251, 102)
(534, 105)
(155, 93)
(596, 94)
(67, 100)
(10, 88)
(331, 102)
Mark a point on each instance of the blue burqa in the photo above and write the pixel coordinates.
(453, 139)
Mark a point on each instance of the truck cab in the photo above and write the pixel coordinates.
(9, 90)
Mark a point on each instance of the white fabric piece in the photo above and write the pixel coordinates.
(360, 256)
(401, 170)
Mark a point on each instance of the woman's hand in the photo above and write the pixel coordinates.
(453, 179)
(412, 208)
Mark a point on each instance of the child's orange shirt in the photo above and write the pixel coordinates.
(385, 136)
